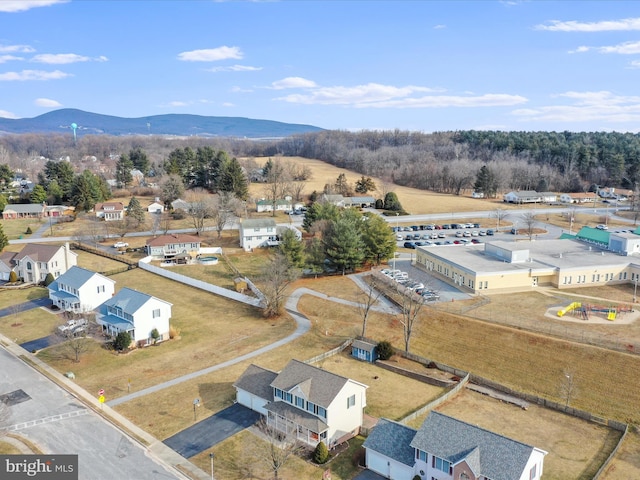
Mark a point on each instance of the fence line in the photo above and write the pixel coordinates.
(434, 403)
(102, 253)
(612, 455)
(208, 287)
(330, 353)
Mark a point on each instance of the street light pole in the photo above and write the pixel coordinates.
(211, 457)
(196, 403)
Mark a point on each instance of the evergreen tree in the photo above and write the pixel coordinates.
(379, 239)
(172, 189)
(319, 211)
(342, 186)
(233, 179)
(6, 174)
(4, 241)
(54, 193)
(135, 210)
(122, 341)
(392, 203)
(365, 185)
(315, 255)
(292, 248)
(38, 195)
(62, 173)
(123, 171)
(344, 245)
(139, 160)
(486, 182)
(87, 190)
(3, 202)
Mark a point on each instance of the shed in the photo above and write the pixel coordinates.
(240, 284)
(364, 351)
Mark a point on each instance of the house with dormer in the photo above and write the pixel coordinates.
(445, 448)
(312, 404)
(80, 290)
(35, 261)
(137, 313)
(110, 211)
(173, 247)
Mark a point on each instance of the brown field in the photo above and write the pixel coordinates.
(17, 228)
(29, 325)
(626, 463)
(576, 448)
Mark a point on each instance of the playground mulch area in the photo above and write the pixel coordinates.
(594, 313)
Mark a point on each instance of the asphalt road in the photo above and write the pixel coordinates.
(23, 307)
(56, 422)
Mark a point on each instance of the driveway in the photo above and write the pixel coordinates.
(368, 475)
(213, 430)
(22, 307)
(40, 343)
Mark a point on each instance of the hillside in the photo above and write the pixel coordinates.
(59, 121)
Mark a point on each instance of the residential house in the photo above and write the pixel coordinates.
(110, 211)
(360, 202)
(578, 197)
(449, 449)
(23, 210)
(155, 207)
(525, 196)
(259, 232)
(282, 205)
(549, 197)
(337, 200)
(475, 194)
(173, 246)
(180, 204)
(302, 400)
(137, 313)
(35, 261)
(364, 351)
(80, 290)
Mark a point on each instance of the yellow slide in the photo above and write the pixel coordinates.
(571, 307)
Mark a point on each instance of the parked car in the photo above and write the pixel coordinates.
(399, 237)
(446, 226)
(490, 231)
(466, 233)
(474, 233)
(459, 234)
(431, 226)
(409, 245)
(430, 296)
(476, 225)
(426, 236)
(120, 245)
(482, 233)
(602, 227)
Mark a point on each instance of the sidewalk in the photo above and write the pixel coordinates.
(176, 463)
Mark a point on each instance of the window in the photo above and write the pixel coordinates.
(532, 473)
(322, 412)
(351, 401)
(310, 407)
(288, 397)
(28, 265)
(100, 288)
(278, 393)
(440, 464)
(300, 402)
(156, 313)
(422, 455)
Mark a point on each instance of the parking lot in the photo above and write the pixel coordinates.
(446, 234)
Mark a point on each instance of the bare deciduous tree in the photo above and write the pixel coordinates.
(277, 446)
(90, 233)
(224, 210)
(77, 335)
(529, 221)
(367, 298)
(278, 184)
(499, 215)
(277, 275)
(200, 208)
(568, 388)
(410, 306)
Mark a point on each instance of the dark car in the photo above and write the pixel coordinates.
(476, 225)
(409, 245)
(446, 226)
(490, 231)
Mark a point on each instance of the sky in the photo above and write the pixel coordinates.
(528, 65)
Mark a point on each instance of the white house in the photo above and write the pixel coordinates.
(137, 313)
(170, 246)
(259, 232)
(524, 196)
(35, 261)
(110, 211)
(578, 197)
(155, 207)
(302, 400)
(449, 449)
(80, 290)
(360, 202)
(282, 205)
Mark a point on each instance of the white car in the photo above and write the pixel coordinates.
(602, 227)
(120, 245)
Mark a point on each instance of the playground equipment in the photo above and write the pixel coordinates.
(569, 308)
(585, 310)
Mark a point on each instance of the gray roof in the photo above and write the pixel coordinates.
(257, 381)
(300, 417)
(392, 440)
(258, 223)
(75, 277)
(488, 454)
(129, 300)
(38, 252)
(319, 386)
(362, 345)
(24, 208)
(364, 199)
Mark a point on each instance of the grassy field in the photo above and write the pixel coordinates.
(17, 228)
(626, 463)
(29, 325)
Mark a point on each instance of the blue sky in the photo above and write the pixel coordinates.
(352, 65)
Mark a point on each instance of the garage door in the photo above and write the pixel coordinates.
(377, 463)
(251, 401)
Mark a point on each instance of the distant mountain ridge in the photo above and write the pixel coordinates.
(59, 121)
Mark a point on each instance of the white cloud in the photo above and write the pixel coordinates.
(234, 68)
(26, 75)
(293, 82)
(23, 5)
(241, 90)
(211, 55)
(634, 64)
(47, 103)
(626, 48)
(5, 114)
(228, 104)
(602, 106)
(16, 49)
(626, 24)
(9, 58)
(59, 58)
(178, 103)
(374, 95)
(439, 27)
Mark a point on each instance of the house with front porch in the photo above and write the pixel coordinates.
(35, 261)
(23, 210)
(137, 313)
(173, 247)
(307, 402)
(80, 290)
(110, 211)
(524, 196)
(258, 232)
(445, 448)
(578, 197)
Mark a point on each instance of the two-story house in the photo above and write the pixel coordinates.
(445, 448)
(137, 313)
(110, 211)
(302, 400)
(170, 246)
(35, 261)
(80, 290)
(258, 232)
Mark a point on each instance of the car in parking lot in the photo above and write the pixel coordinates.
(120, 245)
(474, 233)
(409, 245)
(602, 226)
(459, 233)
(426, 236)
(431, 226)
(482, 233)
(442, 235)
(430, 296)
(475, 240)
(446, 226)
(466, 233)
(399, 237)
(490, 231)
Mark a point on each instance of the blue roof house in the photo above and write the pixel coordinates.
(79, 290)
(137, 313)
(449, 449)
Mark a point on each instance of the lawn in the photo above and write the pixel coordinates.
(576, 448)
(389, 395)
(17, 228)
(10, 296)
(626, 463)
(29, 325)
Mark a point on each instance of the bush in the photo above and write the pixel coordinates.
(379, 204)
(179, 214)
(385, 350)
(321, 454)
(29, 231)
(122, 341)
(417, 477)
(155, 334)
(174, 332)
(48, 279)
(13, 277)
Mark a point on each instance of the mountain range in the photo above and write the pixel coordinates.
(87, 123)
